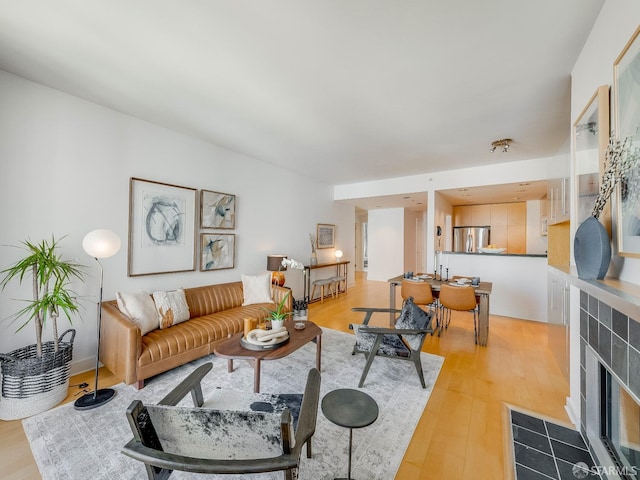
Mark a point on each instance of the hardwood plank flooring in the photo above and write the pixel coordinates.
(460, 433)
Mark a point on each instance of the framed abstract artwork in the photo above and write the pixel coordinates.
(326, 235)
(217, 251)
(626, 89)
(161, 228)
(217, 210)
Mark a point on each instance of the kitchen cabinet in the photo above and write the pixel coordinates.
(499, 214)
(558, 195)
(499, 236)
(516, 239)
(481, 215)
(558, 320)
(517, 213)
(462, 216)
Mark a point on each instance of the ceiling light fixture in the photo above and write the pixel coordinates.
(504, 143)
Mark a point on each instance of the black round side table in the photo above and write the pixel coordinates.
(351, 409)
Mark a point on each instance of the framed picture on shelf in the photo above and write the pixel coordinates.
(590, 138)
(161, 228)
(626, 89)
(326, 235)
(217, 210)
(217, 251)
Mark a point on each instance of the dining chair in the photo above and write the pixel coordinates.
(461, 299)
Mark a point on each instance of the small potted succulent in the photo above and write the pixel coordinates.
(278, 316)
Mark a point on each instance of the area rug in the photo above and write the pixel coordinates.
(69, 444)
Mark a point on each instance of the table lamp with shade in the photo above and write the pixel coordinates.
(274, 265)
(98, 244)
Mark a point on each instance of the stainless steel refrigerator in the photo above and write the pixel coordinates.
(470, 239)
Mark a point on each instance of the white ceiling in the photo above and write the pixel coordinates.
(342, 91)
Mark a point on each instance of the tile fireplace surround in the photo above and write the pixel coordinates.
(609, 335)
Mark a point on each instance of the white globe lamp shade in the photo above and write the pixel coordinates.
(338, 254)
(101, 243)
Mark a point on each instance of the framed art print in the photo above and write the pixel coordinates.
(161, 228)
(326, 235)
(626, 89)
(217, 251)
(217, 210)
(590, 138)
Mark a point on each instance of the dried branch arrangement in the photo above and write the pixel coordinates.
(620, 158)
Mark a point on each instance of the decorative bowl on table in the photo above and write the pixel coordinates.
(492, 250)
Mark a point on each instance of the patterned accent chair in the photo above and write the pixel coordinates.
(202, 440)
(403, 342)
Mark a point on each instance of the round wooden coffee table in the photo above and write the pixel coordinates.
(351, 409)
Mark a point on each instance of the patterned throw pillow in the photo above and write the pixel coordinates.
(172, 307)
(411, 317)
(139, 308)
(256, 288)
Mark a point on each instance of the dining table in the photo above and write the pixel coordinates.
(482, 291)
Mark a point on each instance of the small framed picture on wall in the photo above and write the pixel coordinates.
(217, 251)
(326, 235)
(217, 210)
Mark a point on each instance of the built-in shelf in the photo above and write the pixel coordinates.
(623, 296)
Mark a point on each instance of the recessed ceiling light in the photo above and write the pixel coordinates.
(516, 198)
(406, 198)
(523, 184)
(462, 189)
(466, 195)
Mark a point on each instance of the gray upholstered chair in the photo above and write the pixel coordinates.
(403, 342)
(167, 437)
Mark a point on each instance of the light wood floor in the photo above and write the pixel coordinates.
(460, 434)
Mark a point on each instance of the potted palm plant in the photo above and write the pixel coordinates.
(36, 377)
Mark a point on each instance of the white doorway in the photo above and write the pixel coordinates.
(419, 246)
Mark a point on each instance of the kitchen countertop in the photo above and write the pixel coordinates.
(535, 255)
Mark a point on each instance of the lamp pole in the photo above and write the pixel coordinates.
(98, 244)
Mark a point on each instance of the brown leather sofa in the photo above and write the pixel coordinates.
(216, 312)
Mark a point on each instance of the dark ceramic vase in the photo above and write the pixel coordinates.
(592, 249)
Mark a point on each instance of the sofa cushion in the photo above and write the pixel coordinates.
(172, 307)
(256, 288)
(140, 309)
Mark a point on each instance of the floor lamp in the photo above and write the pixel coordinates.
(98, 244)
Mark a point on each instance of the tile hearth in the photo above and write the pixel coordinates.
(544, 450)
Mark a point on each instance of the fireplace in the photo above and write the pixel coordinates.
(612, 421)
(610, 388)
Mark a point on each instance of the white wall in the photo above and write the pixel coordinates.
(66, 165)
(410, 246)
(616, 23)
(536, 243)
(386, 243)
(519, 284)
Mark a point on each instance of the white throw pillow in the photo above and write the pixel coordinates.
(256, 288)
(172, 307)
(139, 308)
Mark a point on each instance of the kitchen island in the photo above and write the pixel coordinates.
(519, 280)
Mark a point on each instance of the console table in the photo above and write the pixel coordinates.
(341, 270)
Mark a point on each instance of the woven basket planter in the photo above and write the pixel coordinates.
(32, 385)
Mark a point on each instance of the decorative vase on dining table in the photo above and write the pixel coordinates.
(592, 249)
